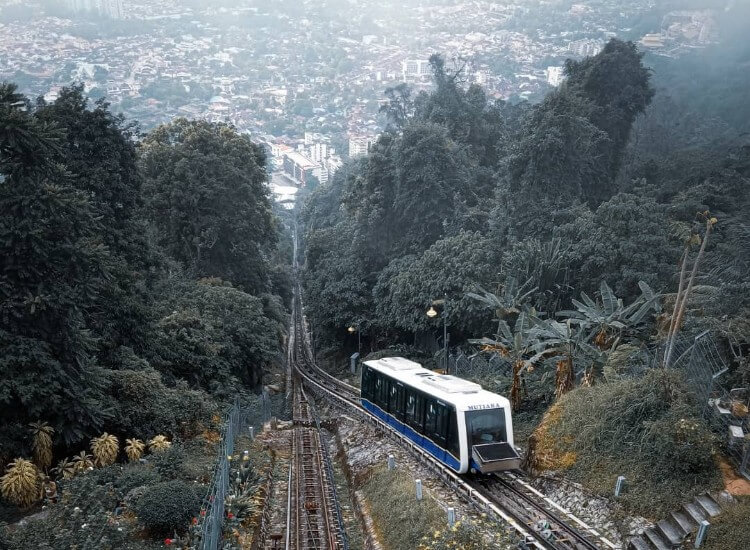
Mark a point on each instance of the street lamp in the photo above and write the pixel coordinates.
(432, 313)
(352, 329)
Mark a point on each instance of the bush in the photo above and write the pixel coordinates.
(168, 507)
(646, 429)
(134, 476)
(144, 406)
(169, 463)
(729, 531)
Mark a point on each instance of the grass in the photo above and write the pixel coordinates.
(400, 520)
(644, 429)
(730, 531)
(404, 523)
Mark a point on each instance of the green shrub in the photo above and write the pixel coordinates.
(170, 463)
(168, 506)
(144, 406)
(647, 429)
(729, 531)
(137, 475)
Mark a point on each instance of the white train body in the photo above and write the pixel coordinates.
(458, 422)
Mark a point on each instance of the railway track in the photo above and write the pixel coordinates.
(313, 516)
(539, 522)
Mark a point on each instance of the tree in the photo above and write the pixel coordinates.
(520, 346)
(207, 199)
(452, 266)
(617, 85)
(573, 142)
(626, 240)
(427, 181)
(400, 106)
(212, 334)
(99, 152)
(54, 267)
(611, 317)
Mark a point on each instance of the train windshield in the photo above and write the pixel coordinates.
(486, 426)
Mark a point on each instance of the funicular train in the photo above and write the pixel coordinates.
(462, 425)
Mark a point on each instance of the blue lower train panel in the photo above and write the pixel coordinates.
(428, 445)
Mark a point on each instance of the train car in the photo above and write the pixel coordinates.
(463, 426)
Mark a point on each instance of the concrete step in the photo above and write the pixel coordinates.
(671, 531)
(708, 504)
(684, 521)
(694, 512)
(639, 543)
(656, 540)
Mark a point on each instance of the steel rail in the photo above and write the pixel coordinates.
(317, 524)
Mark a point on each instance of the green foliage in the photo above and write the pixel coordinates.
(99, 153)
(55, 266)
(625, 240)
(207, 199)
(212, 334)
(643, 428)
(144, 406)
(133, 476)
(170, 462)
(729, 531)
(168, 506)
(452, 267)
(399, 518)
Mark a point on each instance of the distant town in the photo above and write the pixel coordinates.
(311, 91)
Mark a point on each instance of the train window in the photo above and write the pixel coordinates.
(387, 383)
(398, 408)
(430, 421)
(378, 389)
(441, 423)
(411, 407)
(367, 378)
(486, 426)
(393, 397)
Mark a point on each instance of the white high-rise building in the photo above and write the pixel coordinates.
(360, 145)
(318, 151)
(107, 8)
(415, 68)
(554, 75)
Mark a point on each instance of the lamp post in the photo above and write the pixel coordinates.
(432, 313)
(352, 329)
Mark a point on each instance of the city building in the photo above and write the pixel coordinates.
(299, 167)
(585, 47)
(106, 8)
(554, 75)
(360, 145)
(652, 41)
(415, 68)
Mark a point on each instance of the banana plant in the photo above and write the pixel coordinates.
(611, 317)
(519, 346)
(509, 301)
(567, 344)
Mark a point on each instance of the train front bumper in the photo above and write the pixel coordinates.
(495, 457)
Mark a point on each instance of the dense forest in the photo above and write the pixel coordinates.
(142, 281)
(580, 238)
(144, 278)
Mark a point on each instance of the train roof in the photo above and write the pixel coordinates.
(450, 389)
